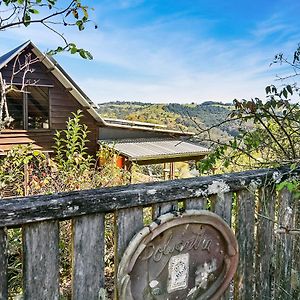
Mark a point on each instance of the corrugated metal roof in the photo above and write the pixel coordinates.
(136, 150)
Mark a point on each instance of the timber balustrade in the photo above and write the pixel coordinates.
(261, 217)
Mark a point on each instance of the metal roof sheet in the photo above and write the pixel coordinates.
(7, 57)
(136, 150)
(135, 125)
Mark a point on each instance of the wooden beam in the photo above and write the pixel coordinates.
(3, 265)
(167, 160)
(22, 210)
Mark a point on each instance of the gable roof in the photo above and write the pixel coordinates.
(53, 66)
(6, 58)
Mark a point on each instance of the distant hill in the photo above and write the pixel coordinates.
(188, 117)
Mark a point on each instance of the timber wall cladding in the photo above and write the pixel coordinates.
(266, 224)
(62, 104)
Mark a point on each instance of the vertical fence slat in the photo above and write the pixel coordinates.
(41, 260)
(3, 265)
(244, 279)
(195, 203)
(88, 257)
(296, 252)
(222, 206)
(265, 243)
(127, 223)
(160, 209)
(284, 248)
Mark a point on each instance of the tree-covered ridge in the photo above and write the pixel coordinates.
(189, 117)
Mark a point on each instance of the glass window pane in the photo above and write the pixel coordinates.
(15, 108)
(38, 107)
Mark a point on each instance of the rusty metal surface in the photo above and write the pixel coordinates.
(190, 256)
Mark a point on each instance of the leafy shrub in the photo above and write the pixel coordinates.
(71, 168)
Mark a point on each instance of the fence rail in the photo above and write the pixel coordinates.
(269, 263)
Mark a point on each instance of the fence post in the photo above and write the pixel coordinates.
(88, 256)
(244, 279)
(265, 243)
(284, 245)
(196, 203)
(41, 260)
(127, 223)
(3, 265)
(222, 206)
(296, 252)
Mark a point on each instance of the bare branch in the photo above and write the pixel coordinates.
(42, 20)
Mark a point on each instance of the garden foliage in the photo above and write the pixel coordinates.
(70, 168)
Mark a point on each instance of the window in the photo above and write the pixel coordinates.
(29, 109)
(15, 108)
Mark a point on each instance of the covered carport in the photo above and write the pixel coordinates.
(151, 151)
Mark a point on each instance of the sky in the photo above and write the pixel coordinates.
(178, 51)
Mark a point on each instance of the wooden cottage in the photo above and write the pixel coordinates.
(43, 96)
(49, 98)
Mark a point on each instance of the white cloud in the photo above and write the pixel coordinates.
(159, 64)
(219, 86)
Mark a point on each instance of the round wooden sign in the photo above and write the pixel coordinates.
(192, 255)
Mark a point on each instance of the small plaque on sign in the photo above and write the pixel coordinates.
(178, 272)
(192, 255)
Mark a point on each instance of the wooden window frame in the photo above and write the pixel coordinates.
(25, 111)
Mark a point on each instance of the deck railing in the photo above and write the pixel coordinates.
(265, 222)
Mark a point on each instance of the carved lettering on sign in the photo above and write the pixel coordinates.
(199, 241)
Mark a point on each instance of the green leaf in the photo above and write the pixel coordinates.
(85, 54)
(293, 166)
(88, 55)
(73, 50)
(274, 90)
(285, 93)
(27, 19)
(281, 186)
(75, 13)
(80, 25)
(85, 12)
(36, 153)
(290, 90)
(33, 11)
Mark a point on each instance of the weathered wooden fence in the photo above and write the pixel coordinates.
(266, 224)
